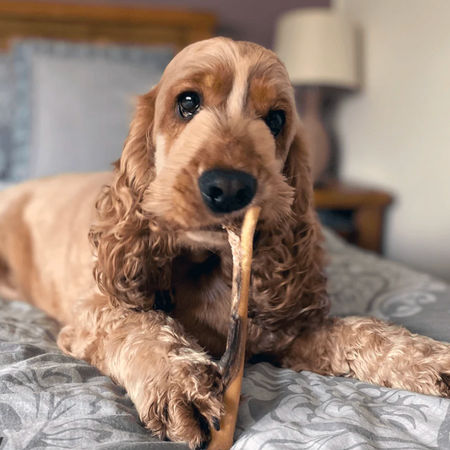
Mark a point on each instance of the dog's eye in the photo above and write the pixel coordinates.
(275, 120)
(188, 104)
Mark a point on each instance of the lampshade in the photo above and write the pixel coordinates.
(318, 47)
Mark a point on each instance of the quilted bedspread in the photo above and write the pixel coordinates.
(49, 400)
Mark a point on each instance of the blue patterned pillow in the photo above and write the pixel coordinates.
(74, 103)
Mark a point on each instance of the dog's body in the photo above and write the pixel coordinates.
(44, 221)
(219, 132)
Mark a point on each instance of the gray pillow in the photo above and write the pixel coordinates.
(6, 106)
(74, 103)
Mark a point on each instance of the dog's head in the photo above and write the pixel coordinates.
(218, 133)
(214, 137)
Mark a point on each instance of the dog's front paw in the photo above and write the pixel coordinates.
(428, 369)
(444, 384)
(186, 402)
(440, 364)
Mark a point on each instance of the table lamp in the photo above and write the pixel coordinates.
(319, 48)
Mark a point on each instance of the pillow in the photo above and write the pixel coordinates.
(74, 103)
(5, 113)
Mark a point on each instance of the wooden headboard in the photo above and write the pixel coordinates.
(102, 23)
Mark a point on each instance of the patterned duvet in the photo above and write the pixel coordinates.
(49, 400)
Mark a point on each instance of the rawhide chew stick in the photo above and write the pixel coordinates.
(232, 362)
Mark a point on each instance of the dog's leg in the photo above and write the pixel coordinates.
(175, 386)
(373, 351)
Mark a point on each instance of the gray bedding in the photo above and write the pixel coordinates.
(48, 400)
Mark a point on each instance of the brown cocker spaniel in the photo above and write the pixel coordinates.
(218, 133)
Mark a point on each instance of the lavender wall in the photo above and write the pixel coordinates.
(250, 20)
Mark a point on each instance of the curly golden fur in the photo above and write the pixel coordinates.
(156, 312)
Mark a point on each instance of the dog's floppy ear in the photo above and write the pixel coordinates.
(121, 235)
(288, 268)
(136, 166)
(297, 171)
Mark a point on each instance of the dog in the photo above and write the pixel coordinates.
(135, 264)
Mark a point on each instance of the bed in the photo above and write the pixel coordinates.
(49, 400)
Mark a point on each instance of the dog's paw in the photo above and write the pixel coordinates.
(188, 402)
(443, 384)
(434, 368)
(427, 371)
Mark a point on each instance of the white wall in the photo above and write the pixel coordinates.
(396, 133)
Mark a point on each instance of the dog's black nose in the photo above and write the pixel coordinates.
(225, 191)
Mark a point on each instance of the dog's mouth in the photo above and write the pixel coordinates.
(214, 235)
(234, 224)
(216, 238)
(218, 228)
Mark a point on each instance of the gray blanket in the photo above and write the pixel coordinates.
(48, 400)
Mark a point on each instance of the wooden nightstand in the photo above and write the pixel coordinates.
(354, 212)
